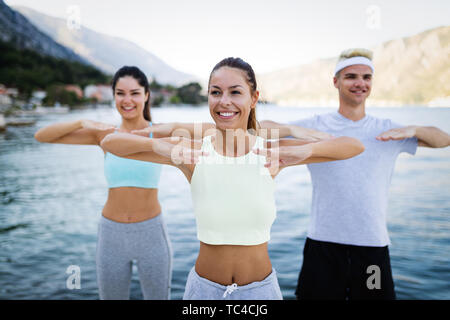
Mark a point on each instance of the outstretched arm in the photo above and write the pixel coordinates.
(173, 151)
(431, 137)
(187, 130)
(292, 152)
(277, 130)
(74, 132)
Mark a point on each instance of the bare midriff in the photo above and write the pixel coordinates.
(130, 204)
(228, 264)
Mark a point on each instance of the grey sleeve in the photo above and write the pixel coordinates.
(406, 145)
(305, 123)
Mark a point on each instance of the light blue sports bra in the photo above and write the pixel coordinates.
(123, 172)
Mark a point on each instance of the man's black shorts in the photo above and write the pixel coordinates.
(339, 272)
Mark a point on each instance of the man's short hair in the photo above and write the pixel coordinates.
(356, 52)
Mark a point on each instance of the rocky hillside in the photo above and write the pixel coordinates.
(105, 52)
(17, 30)
(408, 71)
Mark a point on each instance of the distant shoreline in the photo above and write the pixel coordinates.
(17, 111)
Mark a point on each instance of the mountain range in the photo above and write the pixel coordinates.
(413, 70)
(408, 71)
(103, 51)
(17, 30)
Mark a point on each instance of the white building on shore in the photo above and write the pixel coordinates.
(102, 93)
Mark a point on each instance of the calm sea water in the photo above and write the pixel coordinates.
(51, 197)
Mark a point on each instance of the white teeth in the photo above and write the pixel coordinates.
(226, 114)
(128, 108)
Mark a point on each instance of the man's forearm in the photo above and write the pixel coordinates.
(432, 137)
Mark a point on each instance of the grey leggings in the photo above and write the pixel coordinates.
(119, 244)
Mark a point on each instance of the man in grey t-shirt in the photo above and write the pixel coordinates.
(347, 237)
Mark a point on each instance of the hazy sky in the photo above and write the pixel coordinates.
(192, 36)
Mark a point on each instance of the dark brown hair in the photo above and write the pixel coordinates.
(240, 64)
(141, 78)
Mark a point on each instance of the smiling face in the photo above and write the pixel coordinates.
(354, 84)
(130, 97)
(230, 98)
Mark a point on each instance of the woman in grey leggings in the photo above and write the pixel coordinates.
(131, 227)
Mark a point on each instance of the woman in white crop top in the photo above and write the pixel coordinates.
(231, 172)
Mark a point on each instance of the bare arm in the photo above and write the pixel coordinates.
(172, 151)
(179, 129)
(74, 132)
(340, 148)
(292, 152)
(274, 130)
(431, 137)
(196, 130)
(269, 130)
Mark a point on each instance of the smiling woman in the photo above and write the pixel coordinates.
(225, 92)
(131, 226)
(131, 93)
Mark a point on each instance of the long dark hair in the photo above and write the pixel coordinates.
(240, 64)
(140, 77)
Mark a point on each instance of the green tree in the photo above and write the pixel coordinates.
(155, 85)
(175, 99)
(28, 70)
(190, 93)
(157, 101)
(57, 93)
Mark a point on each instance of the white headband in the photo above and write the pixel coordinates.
(352, 61)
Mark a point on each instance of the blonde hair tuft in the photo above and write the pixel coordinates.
(356, 52)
